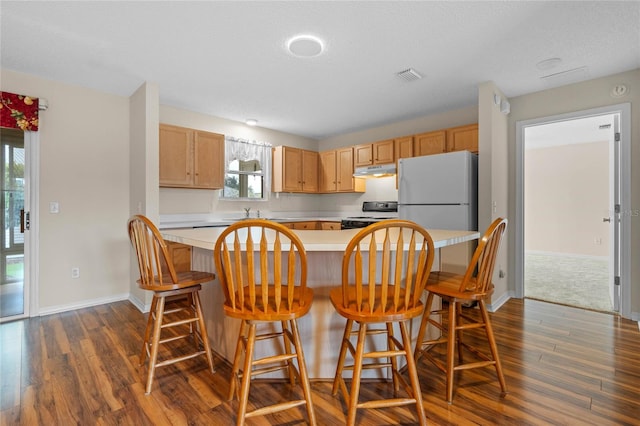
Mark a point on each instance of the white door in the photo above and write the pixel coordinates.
(613, 218)
(615, 244)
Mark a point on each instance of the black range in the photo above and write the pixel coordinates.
(371, 207)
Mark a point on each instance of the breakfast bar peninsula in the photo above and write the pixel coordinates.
(321, 330)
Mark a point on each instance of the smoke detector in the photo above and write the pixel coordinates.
(409, 75)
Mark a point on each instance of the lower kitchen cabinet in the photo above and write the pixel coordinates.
(180, 254)
(330, 226)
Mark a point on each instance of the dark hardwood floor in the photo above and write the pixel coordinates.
(563, 366)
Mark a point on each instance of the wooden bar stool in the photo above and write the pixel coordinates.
(169, 309)
(455, 290)
(262, 266)
(384, 271)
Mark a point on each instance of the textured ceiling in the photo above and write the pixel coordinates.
(228, 58)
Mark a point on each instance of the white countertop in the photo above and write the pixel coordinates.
(313, 240)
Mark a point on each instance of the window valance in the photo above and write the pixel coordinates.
(18, 112)
(246, 150)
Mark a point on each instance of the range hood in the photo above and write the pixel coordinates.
(379, 170)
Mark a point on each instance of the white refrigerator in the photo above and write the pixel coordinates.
(441, 192)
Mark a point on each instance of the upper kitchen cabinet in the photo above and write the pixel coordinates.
(430, 143)
(404, 147)
(295, 170)
(382, 152)
(463, 138)
(336, 172)
(191, 158)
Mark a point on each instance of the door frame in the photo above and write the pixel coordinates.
(31, 246)
(624, 217)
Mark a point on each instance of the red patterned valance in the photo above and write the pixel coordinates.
(18, 112)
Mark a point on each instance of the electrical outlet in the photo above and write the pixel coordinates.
(75, 272)
(597, 241)
(54, 207)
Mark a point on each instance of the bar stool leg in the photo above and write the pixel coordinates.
(203, 331)
(304, 376)
(451, 348)
(234, 385)
(147, 331)
(357, 372)
(157, 329)
(246, 375)
(413, 373)
(342, 357)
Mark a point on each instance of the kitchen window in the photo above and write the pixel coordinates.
(247, 169)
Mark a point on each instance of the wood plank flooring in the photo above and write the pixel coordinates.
(563, 366)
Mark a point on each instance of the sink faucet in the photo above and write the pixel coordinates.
(246, 212)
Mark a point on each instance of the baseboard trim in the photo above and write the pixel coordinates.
(497, 304)
(84, 304)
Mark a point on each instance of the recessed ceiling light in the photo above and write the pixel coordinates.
(548, 64)
(305, 46)
(251, 121)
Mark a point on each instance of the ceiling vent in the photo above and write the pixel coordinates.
(566, 77)
(409, 75)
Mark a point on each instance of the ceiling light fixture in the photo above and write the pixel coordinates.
(251, 122)
(305, 46)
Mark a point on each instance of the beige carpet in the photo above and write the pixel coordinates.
(568, 280)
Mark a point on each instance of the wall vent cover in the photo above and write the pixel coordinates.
(409, 75)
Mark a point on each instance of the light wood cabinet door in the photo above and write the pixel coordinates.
(291, 169)
(344, 172)
(190, 158)
(463, 138)
(176, 156)
(208, 160)
(404, 147)
(295, 170)
(430, 143)
(363, 155)
(384, 152)
(328, 171)
(309, 171)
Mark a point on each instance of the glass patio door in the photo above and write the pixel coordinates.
(12, 300)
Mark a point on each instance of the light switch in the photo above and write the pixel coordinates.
(54, 207)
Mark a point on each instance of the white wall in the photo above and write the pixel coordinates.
(565, 200)
(144, 174)
(493, 166)
(84, 166)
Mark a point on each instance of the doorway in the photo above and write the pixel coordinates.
(573, 182)
(12, 260)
